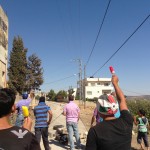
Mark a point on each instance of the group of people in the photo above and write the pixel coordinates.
(113, 129)
(20, 137)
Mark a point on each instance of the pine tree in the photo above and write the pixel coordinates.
(35, 73)
(17, 66)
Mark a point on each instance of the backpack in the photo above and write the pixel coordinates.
(142, 124)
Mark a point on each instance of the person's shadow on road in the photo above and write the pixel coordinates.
(55, 142)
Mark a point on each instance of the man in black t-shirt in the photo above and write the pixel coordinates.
(112, 133)
(12, 137)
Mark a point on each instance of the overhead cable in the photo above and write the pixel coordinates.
(123, 43)
(133, 92)
(98, 33)
(61, 79)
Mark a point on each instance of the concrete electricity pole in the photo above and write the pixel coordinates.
(84, 83)
(80, 79)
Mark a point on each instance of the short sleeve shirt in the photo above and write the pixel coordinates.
(41, 115)
(72, 112)
(111, 134)
(97, 116)
(23, 102)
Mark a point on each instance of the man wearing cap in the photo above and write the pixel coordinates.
(25, 101)
(113, 133)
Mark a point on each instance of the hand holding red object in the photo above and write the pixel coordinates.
(112, 70)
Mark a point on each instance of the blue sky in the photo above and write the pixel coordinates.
(59, 31)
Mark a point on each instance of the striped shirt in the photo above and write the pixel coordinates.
(41, 114)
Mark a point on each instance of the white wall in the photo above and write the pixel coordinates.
(97, 86)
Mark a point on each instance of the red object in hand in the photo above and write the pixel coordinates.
(112, 70)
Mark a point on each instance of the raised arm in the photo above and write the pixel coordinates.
(119, 93)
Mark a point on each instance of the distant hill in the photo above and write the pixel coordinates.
(146, 97)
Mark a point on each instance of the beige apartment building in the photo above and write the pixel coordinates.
(3, 47)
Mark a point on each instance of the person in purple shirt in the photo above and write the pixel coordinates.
(72, 113)
(96, 116)
(25, 101)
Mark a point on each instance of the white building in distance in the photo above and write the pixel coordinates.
(94, 87)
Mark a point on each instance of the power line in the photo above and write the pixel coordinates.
(98, 33)
(61, 79)
(123, 44)
(134, 92)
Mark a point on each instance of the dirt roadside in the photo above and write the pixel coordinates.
(86, 115)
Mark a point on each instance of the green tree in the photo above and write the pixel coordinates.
(61, 95)
(70, 91)
(51, 95)
(37, 97)
(17, 66)
(35, 73)
(135, 105)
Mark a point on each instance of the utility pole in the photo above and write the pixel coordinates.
(80, 80)
(80, 86)
(84, 84)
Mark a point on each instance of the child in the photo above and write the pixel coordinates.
(142, 123)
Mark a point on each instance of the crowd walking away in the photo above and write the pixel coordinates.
(14, 137)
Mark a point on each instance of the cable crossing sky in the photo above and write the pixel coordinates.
(98, 32)
(123, 43)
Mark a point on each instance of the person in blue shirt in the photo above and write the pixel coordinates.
(42, 113)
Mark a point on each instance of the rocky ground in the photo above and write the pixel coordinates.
(84, 124)
(86, 113)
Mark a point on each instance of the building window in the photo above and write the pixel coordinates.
(3, 25)
(89, 92)
(3, 76)
(106, 84)
(98, 83)
(106, 91)
(3, 40)
(92, 84)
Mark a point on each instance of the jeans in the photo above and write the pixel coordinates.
(44, 133)
(72, 128)
(19, 120)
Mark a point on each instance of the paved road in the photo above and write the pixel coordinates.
(59, 119)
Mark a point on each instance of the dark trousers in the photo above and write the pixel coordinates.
(44, 133)
(144, 136)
